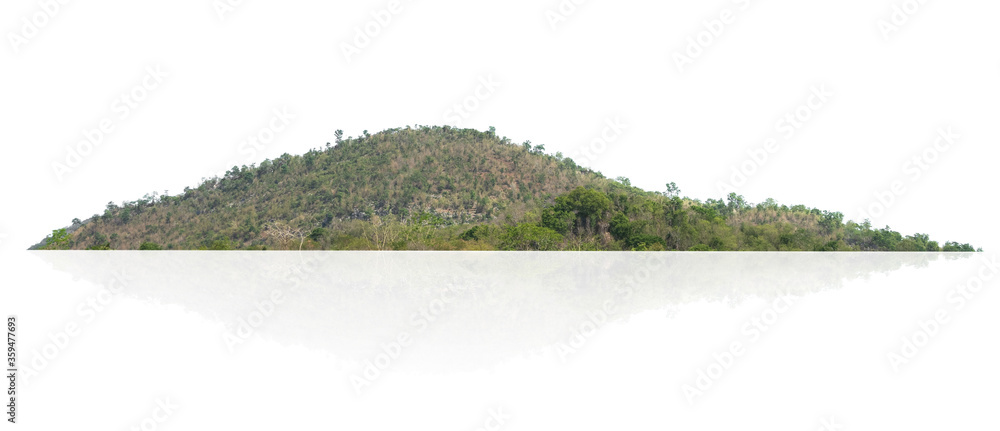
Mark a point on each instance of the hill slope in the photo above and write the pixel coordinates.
(454, 189)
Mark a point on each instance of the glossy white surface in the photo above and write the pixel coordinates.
(540, 340)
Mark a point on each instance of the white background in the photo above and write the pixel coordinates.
(559, 86)
(560, 81)
(556, 341)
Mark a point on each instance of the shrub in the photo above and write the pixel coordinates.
(529, 236)
(150, 246)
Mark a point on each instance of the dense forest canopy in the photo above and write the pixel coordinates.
(443, 188)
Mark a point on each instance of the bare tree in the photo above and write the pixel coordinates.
(285, 232)
(381, 234)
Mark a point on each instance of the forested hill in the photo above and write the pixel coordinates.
(441, 188)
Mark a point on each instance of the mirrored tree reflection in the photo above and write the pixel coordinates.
(463, 310)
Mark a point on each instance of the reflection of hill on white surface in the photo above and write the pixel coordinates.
(503, 304)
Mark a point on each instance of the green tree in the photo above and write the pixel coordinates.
(646, 242)
(736, 203)
(58, 240)
(558, 219)
(589, 205)
(100, 246)
(146, 245)
(831, 221)
(952, 246)
(529, 236)
(672, 190)
(621, 228)
(318, 234)
(220, 245)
